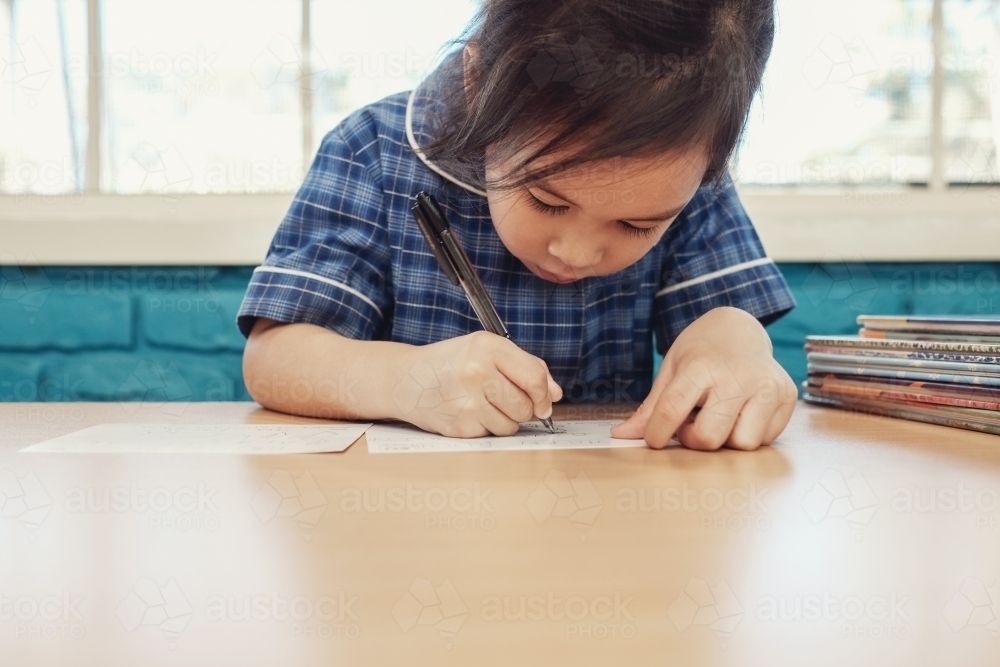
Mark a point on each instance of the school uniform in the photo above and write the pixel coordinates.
(349, 256)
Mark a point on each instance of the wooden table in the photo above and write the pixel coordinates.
(854, 540)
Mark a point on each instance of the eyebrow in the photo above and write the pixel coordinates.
(656, 218)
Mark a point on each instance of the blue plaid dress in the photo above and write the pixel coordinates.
(349, 256)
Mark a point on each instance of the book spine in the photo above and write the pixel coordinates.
(877, 334)
(905, 374)
(955, 367)
(918, 386)
(883, 343)
(905, 354)
(941, 420)
(891, 395)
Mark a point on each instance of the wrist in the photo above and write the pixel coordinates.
(393, 387)
(736, 323)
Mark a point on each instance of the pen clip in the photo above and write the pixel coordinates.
(430, 232)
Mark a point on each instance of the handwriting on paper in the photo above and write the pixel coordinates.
(596, 434)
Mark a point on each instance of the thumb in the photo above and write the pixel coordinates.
(555, 391)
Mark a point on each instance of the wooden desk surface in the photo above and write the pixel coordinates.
(854, 540)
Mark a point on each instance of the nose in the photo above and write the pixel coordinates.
(576, 251)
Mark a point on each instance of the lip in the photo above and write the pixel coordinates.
(555, 278)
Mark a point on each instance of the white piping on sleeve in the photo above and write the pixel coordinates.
(715, 274)
(313, 276)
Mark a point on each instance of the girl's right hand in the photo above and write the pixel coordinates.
(474, 385)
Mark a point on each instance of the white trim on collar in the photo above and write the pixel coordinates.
(423, 158)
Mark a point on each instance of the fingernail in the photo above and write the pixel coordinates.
(548, 413)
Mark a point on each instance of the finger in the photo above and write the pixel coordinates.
(671, 409)
(779, 421)
(531, 375)
(713, 424)
(508, 398)
(495, 421)
(748, 432)
(635, 426)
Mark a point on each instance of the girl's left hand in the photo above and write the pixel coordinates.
(723, 364)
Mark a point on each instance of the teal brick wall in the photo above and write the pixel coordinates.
(168, 333)
(121, 333)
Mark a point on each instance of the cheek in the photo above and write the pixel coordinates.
(519, 229)
(625, 251)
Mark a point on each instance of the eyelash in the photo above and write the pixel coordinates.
(539, 205)
(632, 230)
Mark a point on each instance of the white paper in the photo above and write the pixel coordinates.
(595, 434)
(204, 439)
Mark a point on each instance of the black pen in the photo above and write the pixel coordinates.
(456, 265)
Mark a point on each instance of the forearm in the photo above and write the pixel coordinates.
(308, 370)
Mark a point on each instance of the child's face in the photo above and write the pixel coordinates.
(596, 219)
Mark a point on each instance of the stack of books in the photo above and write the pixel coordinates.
(941, 370)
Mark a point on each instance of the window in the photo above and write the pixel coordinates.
(234, 96)
(197, 96)
(43, 96)
(850, 92)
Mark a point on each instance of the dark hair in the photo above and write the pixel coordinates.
(603, 79)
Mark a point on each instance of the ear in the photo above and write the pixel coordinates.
(470, 59)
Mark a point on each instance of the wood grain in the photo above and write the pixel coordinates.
(854, 539)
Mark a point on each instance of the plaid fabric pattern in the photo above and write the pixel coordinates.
(348, 256)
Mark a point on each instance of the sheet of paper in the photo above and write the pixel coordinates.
(204, 439)
(385, 438)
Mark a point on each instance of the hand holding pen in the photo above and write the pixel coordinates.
(519, 380)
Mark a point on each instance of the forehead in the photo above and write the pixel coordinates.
(683, 168)
(639, 188)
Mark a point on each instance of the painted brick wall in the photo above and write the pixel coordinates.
(142, 333)
(168, 334)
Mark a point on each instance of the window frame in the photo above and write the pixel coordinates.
(798, 223)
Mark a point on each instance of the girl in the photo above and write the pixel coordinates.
(579, 149)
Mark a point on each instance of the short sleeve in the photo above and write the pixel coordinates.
(712, 257)
(329, 262)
